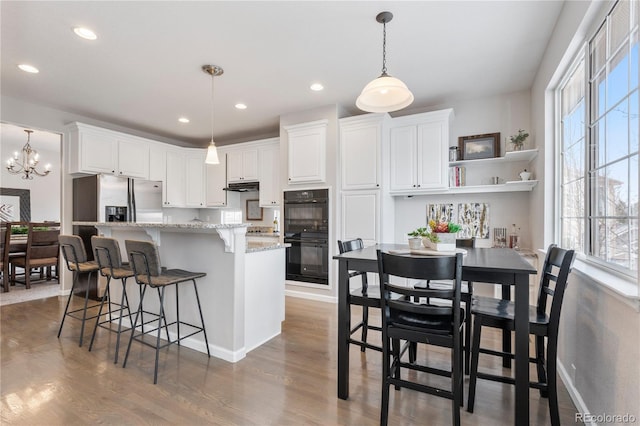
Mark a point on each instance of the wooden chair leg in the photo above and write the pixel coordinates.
(395, 360)
(552, 386)
(467, 337)
(365, 326)
(540, 365)
(473, 374)
(386, 373)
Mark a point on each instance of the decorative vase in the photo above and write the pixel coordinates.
(447, 242)
(415, 243)
(518, 147)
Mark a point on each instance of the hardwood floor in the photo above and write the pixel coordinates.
(291, 380)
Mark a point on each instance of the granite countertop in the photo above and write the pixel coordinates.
(191, 225)
(255, 246)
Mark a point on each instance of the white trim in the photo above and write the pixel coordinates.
(614, 285)
(311, 296)
(581, 407)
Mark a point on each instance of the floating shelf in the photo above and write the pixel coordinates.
(509, 157)
(511, 186)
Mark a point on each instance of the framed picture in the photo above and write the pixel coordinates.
(479, 146)
(15, 205)
(254, 211)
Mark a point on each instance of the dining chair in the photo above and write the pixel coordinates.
(5, 237)
(499, 313)
(466, 293)
(367, 296)
(420, 323)
(42, 251)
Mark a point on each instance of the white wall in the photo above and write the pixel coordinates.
(599, 342)
(505, 114)
(44, 191)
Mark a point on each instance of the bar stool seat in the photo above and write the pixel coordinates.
(107, 254)
(75, 258)
(145, 261)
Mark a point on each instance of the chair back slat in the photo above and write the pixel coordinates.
(42, 241)
(400, 312)
(346, 246)
(106, 252)
(556, 269)
(145, 259)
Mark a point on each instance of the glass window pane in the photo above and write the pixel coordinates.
(599, 185)
(573, 199)
(633, 244)
(617, 243)
(618, 79)
(617, 143)
(598, 50)
(574, 162)
(597, 96)
(617, 189)
(633, 122)
(633, 61)
(633, 186)
(600, 238)
(598, 143)
(572, 234)
(619, 24)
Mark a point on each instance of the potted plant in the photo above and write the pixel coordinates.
(442, 236)
(415, 238)
(518, 139)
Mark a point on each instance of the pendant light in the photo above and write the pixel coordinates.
(385, 93)
(212, 152)
(28, 162)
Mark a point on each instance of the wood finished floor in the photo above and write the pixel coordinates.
(291, 380)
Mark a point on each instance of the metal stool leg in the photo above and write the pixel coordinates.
(206, 342)
(66, 309)
(105, 296)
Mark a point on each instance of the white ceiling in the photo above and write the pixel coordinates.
(144, 70)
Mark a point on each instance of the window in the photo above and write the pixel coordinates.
(598, 108)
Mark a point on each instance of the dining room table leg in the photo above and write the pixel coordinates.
(522, 349)
(344, 325)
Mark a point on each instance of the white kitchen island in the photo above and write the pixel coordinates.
(242, 295)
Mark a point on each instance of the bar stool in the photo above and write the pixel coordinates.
(145, 261)
(75, 258)
(107, 254)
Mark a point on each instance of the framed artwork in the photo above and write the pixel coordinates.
(254, 211)
(15, 205)
(479, 146)
(440, 213)
(474, 219)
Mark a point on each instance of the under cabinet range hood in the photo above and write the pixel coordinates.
(243, 186)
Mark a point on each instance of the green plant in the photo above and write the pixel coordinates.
(444, 227)
(419, 232)
(518, 139)
(433, 238)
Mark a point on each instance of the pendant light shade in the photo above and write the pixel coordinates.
(212, 151)
(385, 93)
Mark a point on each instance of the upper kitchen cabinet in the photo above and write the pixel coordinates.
(360, 146)
(307, 151)
(216, 182)
(195, 178)
(270, 191)
(96, 150)
(242, 165)
(419, 152)
(174, 184)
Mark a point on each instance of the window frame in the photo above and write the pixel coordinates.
(624, 276)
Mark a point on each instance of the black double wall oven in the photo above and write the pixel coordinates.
(306, 228)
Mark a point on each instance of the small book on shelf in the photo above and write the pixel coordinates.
(457, 176)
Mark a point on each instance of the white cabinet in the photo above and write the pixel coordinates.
(174, 187)
(418, 152)
(242, 165)
(97, 150)
(216, 181)
(194, 174)
(360, 145)
(158, 162)
(307, 151)
(361, 216)
(270, 191)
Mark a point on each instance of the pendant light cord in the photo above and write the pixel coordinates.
(384, 48)
(212, 104)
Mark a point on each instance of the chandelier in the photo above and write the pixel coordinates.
(28, 163)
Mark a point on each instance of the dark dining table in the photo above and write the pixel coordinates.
(480, 265)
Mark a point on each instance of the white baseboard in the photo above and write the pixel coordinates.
(573, 392)
(310, 296)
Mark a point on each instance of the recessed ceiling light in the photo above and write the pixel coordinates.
(316, 87)
(85, 33)
(29, 68)
(241, 106)
(183, 119)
